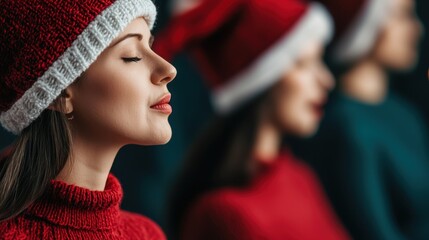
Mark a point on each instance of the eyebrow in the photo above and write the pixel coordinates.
(131, 35)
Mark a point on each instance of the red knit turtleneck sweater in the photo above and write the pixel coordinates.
(284, 202)
(71, 212)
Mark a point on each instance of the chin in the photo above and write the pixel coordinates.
(163, 136)
(403, 64)
(308, 133)
(154, 142)
(305, 131)
(156, 136)
(164, 140)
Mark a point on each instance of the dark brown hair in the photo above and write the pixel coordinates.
(221, 156)
(36, 157)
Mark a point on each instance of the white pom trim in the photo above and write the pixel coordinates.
(316, 24)
(75, 60)
(361, 36)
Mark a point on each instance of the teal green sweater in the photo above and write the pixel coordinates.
(374, 163)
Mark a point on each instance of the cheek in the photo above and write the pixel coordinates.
(398, 46)
(114, 99)
(294, 109)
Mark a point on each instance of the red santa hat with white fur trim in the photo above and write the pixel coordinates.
(357, 25)
(244, 46)
(46, 45)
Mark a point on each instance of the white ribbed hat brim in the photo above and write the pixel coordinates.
(315, 25)
(75, 60)
(362, 35)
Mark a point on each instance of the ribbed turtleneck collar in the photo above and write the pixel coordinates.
(80, 208)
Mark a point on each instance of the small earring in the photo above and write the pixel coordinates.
(70, 117)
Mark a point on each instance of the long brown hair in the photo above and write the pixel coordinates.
(36, 157)
(220, 157)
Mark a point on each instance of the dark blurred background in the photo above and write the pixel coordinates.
(147, 173)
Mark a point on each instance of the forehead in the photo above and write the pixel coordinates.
(311, 48)
(138, 25)
(403, 3)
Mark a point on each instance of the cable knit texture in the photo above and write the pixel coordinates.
(71, 212)
(284, 202)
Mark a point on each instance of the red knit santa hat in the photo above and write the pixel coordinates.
(357, 25)
(244, 46)
(45, 45)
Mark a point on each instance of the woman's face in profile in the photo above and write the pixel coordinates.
(300, 96)
(397, 45)
(123, 96)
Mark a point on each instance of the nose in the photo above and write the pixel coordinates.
(163, 71)
(326, 78)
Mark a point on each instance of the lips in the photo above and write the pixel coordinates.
(163, 105)
(318, 108)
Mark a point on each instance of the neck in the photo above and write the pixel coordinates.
(268, 142)
(366, 82)
(89, 164)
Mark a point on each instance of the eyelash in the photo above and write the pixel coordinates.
(132, 59)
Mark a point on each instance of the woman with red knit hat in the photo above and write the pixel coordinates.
(78, 80)
(263, 60)
(372, 149)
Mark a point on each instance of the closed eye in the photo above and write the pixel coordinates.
(132, 59)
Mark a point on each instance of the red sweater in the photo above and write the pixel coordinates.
(284, 202)
(70, 212)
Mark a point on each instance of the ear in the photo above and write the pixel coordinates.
(66, 99)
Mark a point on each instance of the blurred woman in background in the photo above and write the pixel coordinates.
(263, 60)
(372, 150)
